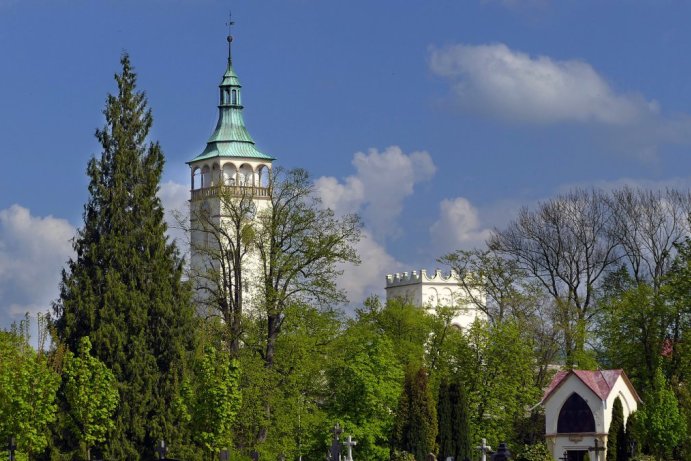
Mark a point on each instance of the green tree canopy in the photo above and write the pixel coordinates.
(28, 387)
(91, 395)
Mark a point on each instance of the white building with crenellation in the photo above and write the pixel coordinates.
(432, 291)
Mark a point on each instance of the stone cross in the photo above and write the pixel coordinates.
(597, 449)
(349, 444)
(484, 448)
(162, 450)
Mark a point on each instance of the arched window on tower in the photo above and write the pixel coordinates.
(575, 416)
(196, 179)
(234, 97)
(245, 176)
(229, 174)
(215, 175)
(262, 179)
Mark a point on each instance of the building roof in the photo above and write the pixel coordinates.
(600, 382)
(230, 138)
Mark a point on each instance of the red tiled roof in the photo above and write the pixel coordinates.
(600, 382)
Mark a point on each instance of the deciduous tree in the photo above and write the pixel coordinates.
(28, 387)
(91, 394)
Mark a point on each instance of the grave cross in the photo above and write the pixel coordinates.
(162, 450)
(597, 449)
(11, 446)
(335, 450)
(484, 448)
(350, 443)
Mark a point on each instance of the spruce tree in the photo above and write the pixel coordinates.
(123, 288)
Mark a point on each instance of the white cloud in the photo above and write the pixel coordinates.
(377, 191)
(368, 278)
(174, 198)
(33, 250)
(514, 85)
(458, 226)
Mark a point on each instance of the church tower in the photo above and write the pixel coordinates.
(229, 187)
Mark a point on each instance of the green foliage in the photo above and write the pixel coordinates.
(408, 327)
(453, 417)
(366, 379)
(415, 427)
(296, 387)
(661, 425)
(28, 387)
(497, 367)
(91, 395)
(213, 399)
(633, 328)
(534, 452)
(616, 438)
(123, 289)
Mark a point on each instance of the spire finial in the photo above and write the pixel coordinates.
(230, 37)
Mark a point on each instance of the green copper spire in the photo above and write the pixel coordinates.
(230, 138)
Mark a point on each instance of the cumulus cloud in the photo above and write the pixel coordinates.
(458, 226)
(174, 197)
(379, 187)
(366, 279)
(33, 250)
(509, 84)
(377, 191)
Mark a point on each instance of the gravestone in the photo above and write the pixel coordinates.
(502, 454)
(430, 457)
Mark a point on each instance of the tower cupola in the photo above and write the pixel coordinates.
(230, 137)
(230, 157)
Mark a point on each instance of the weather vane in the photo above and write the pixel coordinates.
(230, 37)
(230, 21)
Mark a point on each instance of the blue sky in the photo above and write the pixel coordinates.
(436, 120)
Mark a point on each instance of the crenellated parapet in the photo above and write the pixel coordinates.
(421, 276)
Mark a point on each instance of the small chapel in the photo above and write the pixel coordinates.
(578, 411)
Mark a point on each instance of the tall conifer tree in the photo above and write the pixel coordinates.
(453, 425)
(615, 436)
(415, 427)
(123, 288)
